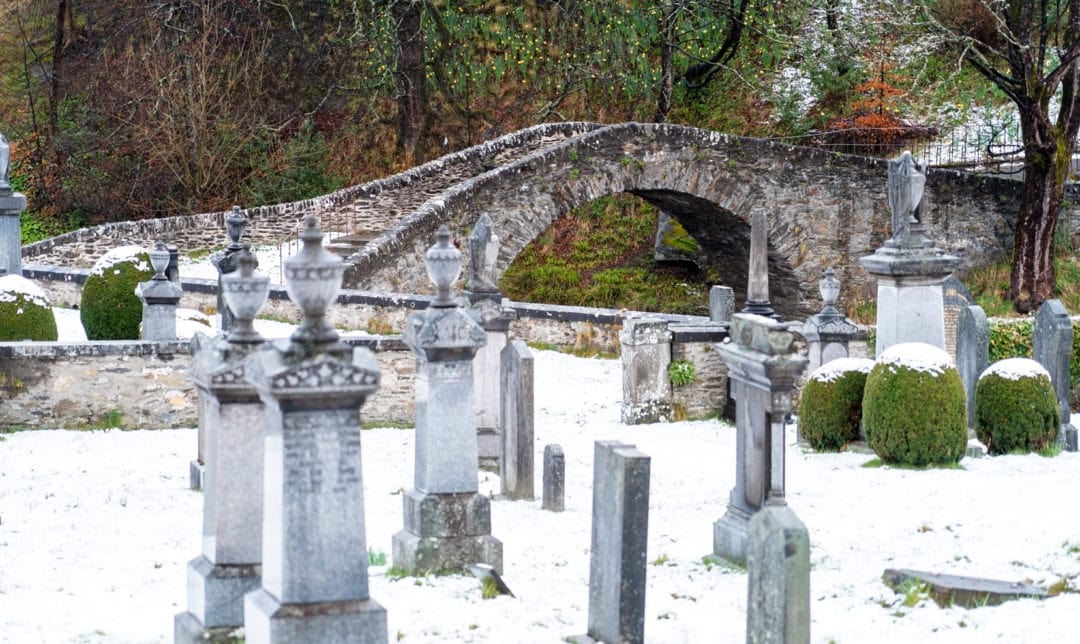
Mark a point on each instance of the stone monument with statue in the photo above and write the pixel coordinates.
(908, 267)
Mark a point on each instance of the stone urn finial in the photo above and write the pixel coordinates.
(443, 263)
(313, 279)
(5, 161)
(245, 292)
(159, 259)
(829, 287)
(235, 224)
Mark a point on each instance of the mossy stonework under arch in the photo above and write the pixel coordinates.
(823, 209)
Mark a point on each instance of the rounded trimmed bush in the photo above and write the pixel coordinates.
(109, 308)
(25, 313)
(914, 407)
(1016, 409)
(831, 405)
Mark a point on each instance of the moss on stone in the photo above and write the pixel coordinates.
(109, 308)
(915, 414)
(1016, 412)
(831, 405)
(24, 312)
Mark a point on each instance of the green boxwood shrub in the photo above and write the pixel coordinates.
(109, 308)
(1011, 338)
(1016, 409)
(914, 407)
(831, 405)
(24, 311)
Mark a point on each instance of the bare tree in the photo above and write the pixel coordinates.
(1031, 51)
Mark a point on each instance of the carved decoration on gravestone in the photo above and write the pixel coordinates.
(159, 297)
(11, 206)
(829, 333)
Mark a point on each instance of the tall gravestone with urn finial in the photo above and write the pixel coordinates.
(447, 521)
(314, 548)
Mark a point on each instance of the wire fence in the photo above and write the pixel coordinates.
(986, 148)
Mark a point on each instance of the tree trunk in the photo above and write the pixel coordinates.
(1046, 168)
(667, 49)
(410, 75)
(57, 61)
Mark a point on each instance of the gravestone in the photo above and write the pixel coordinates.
(485, 299)
(646, 356)
(225, 261)
(1052, 341)
(721, 304)
(957, 590)
(447, 522)
(908, 268)
(955, 297)
(516, 469)
(11, 206)
(829, 333)
(620, 526)
(229, 566)
(554, 498)
(763, 367)
(315, 559)
(159, 299)
(778, 567)
(972, 354)
(173, 272)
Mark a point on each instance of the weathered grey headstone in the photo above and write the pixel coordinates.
(957, 590)
(229, 566)
(909, 270)
(554, 479)
(1051, 341)
(315, 560)
(11, 206)
(778, 567)
(763, 367)
(972, 354)
(447, 522)
(173, 272)
(620, 527)
(485, 299)
(829, 333)
(646, 355)
(721, 304)
(159, 298)
(955, 296)
(516, 469)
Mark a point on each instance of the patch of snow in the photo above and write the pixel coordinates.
(118, 255)
(917, 356)
(69, 327)
(1015, 369)
(12, 286)
(834, 369)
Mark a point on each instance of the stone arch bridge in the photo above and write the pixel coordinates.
(823, 208)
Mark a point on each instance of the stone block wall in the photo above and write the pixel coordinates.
(147, 384)
(707, 395)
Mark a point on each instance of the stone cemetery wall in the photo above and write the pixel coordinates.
(707, 395)
(146, 384)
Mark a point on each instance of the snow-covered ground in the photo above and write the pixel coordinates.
(97, 527)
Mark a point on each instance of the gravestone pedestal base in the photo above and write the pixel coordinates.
(731, 533)
(196, 474)
(215, 608)
(446, 533)
(187, 629)
(268, 620)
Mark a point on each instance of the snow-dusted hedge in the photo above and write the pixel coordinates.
(1015, 407)
(24, 311)
(914, 408)
(831, 405)
(110, 310)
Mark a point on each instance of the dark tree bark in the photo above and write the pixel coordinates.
(1029, 50)
(410, 76)
(62, 10)
(667, 53)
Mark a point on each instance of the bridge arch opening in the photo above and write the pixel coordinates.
(604, 252)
